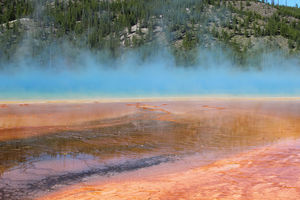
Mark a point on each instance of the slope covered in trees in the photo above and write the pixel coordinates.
(246, 27)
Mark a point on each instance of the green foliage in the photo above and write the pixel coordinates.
(289, 11)
(109, 25)
(14, 9)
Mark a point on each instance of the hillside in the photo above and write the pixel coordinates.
(244, 28)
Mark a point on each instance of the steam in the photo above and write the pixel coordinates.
(61, 71)
(92, 76)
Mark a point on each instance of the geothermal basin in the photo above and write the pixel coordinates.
(209, 148)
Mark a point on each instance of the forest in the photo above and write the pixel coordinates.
(247, 27)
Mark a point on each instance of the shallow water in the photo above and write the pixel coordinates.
(155, 133)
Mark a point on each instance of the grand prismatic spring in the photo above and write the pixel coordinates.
(210, 148)
(149, 100)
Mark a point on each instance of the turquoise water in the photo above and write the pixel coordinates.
(158, 77)
(147, 83)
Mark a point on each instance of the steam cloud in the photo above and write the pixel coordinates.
(129, 76)
(85, 74)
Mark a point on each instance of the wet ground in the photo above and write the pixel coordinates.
(50, 158)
